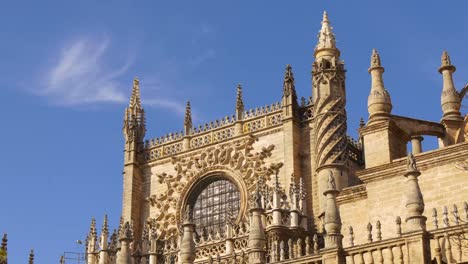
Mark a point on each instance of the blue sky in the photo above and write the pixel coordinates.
(67, 68)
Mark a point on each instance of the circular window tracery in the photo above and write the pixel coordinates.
(213, 201)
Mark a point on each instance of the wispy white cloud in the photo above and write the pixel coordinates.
(176, 107)
(82, 76)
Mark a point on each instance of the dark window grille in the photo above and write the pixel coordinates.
(218, 200)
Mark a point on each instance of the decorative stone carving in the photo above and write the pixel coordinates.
(234, 156)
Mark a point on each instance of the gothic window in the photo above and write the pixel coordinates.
(213, 202)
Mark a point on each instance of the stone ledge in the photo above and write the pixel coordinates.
(351, 194)
(425, 160)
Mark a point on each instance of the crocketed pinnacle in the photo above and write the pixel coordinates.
(375, 60)
(135, 99)
(239, 100)
(4, 242)
(188, 115)
(105, 226)
(326, 38)
(288, 83)
(445, 62)
(31, 257)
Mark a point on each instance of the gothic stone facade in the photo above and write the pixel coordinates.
(284, 183)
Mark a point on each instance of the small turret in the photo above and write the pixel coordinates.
(379, 103)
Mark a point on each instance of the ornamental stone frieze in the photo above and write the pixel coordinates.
(235, 159)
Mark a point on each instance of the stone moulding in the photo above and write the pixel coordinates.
(234, 159)
(426, 160)
(351, 194)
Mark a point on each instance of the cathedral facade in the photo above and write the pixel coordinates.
(285, 183)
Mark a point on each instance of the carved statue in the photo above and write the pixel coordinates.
(331, 181)
(188, 214)
(411, 163)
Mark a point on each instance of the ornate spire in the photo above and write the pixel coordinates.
(135, 100)
(239, 99)
(134, 119)
(105, 225)
(326, 38)
(446, 63)
(104, 234)
(450, 99)
(375, 60)
(4, 250)
(31, 257)
(92, 236)
(188, 119)
(288, 83)
(379, 103)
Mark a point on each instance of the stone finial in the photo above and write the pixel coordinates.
(326, 38)
(378, 227)
(4, 242)
(308, 246)
(411, 163)
(465, 208)
(105, 226)
(450, 98)
(455, 215)
(62, 259)
(351, 236)
(288, 84)
(31, 257)
(135, 99)
(257, 237)
(256, 198)
(331, 182)
(445, 62)
(127, 232)
(92, 237)
(188, 119)
(379, 102)
(332, 219)
(434, 218)
(375, 60)
(239, 99)
(187, 214)
(362, 123)
(369, 233)
(134, 128)
(414, 198)
(316, 245)
(445, 218)
(398, 224)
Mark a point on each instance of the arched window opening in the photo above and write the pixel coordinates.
(213, 201)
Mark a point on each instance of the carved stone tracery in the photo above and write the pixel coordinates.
(234, 157)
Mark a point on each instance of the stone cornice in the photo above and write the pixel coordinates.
(351, 194)
(196, 151)
(425, 160)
